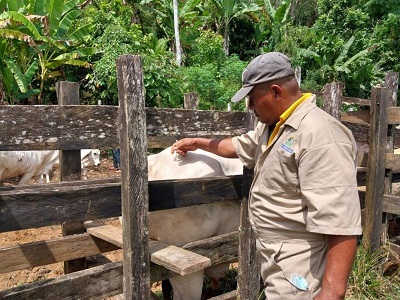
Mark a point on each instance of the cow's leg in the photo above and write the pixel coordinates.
(215, 273)
(188, 287)
(25, 178)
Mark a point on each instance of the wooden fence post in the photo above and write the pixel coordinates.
(391, 84)
(70, 168)
(375, 169)
(332, 98)
(134, 178)
(249, 265)
(191, 101)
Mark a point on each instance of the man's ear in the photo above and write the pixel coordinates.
(276, 90)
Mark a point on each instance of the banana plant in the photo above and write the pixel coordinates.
(42, 30)
(226, 10)
(276, 18)
(333, 68)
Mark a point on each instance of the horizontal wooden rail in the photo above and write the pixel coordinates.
(51, 204)
(85, 284)
(392, 161)
(76, 127)
(391, 204)
(359, 101)
(393, 116)
(356, 117)
(61, 249)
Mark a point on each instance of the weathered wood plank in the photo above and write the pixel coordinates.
(391, 204)
(103, 281)
(70, 168)
(187, 123)
(55, 185)
(332, 98)
(51, 251)
(179, 260)
(221, 248)
(392, 161)
(393, 115)
(94, 283)
(109, 233)
(248, 283)
(354, 100)
(134, 187)
(361, 117)
(21, 209)
(44, 127)
(376, 169)
(50, 205)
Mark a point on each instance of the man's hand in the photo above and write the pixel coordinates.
(183, 146)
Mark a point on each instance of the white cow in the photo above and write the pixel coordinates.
(89, 157)
(38, 164)
(187, 224)
(27, 164)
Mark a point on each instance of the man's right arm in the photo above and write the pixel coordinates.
(221, 147)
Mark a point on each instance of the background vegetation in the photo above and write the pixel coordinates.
(42, 41)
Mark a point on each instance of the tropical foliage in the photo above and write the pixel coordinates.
(37, 43)
(354, 41)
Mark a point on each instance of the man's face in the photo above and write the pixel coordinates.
(263, 100)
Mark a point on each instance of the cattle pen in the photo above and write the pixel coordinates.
(134, 128)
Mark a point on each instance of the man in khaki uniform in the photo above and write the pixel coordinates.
(304, 204)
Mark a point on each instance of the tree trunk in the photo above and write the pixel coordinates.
(176, 29)
(226, 38)
(2, 94)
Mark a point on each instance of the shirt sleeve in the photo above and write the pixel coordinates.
(247, 144)
(330, 190)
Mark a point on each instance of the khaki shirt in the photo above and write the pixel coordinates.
(305, 180)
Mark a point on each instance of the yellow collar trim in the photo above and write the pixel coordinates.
(286, 114)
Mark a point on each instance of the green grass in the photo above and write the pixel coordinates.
(370, 279)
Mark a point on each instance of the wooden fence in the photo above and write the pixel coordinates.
(131, 127)
(374, 124)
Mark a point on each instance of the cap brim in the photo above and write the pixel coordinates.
(243, 92)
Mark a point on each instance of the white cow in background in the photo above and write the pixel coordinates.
(38, 164)
(180, 226)
(89, 157)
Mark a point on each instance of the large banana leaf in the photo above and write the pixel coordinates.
(31, 71)
(66, 21)
(70, 5)
(17, 35)
(40, 7)
(55, 10)
(17, 17)
(80, 34)
(18, 75)
(344, 51)
(72, 62)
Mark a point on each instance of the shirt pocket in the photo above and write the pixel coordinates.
(282, 172)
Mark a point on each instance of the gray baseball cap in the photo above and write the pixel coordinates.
(265, 67)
